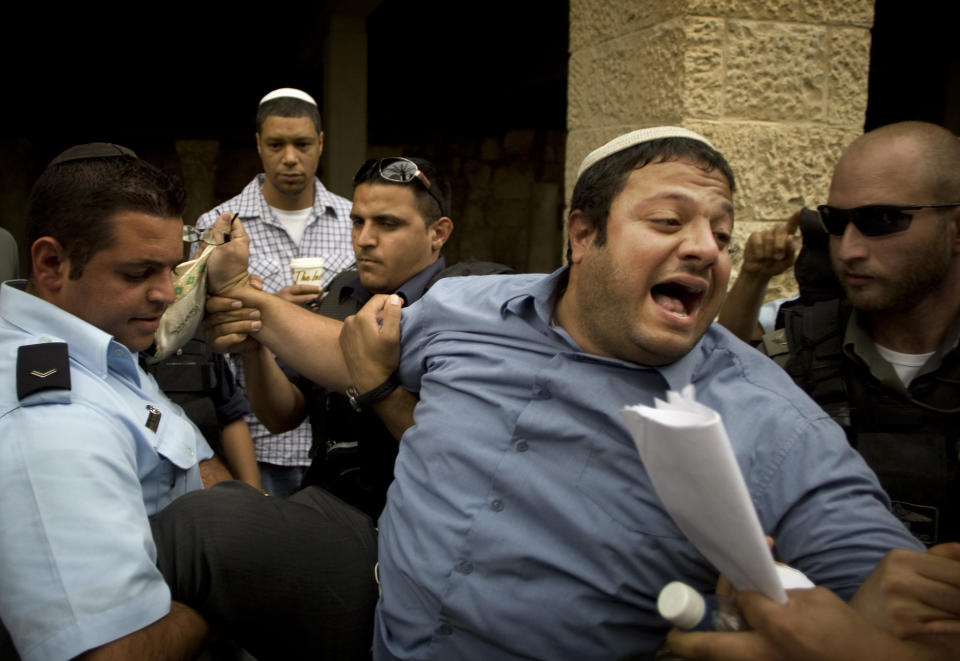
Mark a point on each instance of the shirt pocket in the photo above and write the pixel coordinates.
(615, 481)
(334, 263)
(177, 442)
(275, 272)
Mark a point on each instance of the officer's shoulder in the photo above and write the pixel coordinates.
(42, 372)
(472, 267)
(344, 277)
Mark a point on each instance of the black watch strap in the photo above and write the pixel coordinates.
(358, 401)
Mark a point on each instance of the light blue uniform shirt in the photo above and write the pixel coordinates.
(80, 472)
(522, 524)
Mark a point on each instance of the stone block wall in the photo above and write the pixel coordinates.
(779, 86)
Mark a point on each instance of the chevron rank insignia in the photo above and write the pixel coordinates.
(42, 367)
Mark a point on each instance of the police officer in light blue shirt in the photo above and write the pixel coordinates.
(89, 446)
(109, 547)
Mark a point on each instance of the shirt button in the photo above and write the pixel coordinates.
(541, 393)
(522, 446)
(465, 567)
(444, 629)
(497, 506)
(190, 452)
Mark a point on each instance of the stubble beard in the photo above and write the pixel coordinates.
(923, 273)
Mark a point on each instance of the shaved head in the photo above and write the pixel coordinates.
(934, 149)
(909, 273)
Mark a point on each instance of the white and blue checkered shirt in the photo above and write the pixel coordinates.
(327, 235)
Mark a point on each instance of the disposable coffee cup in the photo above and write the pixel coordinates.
(307, 270)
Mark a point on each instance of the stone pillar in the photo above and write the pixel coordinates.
(344, 99)
(779, 86)
(198, 161)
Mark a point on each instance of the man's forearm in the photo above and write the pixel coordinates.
(306, 341)
(741, 309)
(396, 411)
(177, 635)
(239, 454)
(276, 401)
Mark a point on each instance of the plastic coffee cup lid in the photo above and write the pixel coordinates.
(306, 263)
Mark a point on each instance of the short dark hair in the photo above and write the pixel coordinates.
(73, 200)
(604, 180)
(286, 106)
(429, 208)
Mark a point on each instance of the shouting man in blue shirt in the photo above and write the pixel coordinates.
(521, 522)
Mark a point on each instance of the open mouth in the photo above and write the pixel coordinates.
(680, 300)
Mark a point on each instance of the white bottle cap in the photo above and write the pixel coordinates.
(681, 605)
(793, 579)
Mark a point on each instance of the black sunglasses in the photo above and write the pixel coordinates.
(398, 170)
(873, 219)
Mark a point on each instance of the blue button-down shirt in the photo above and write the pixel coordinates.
(326, 235)
(80, 472)
(522, 524)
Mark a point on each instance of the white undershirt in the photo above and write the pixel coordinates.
(295, 222)
(906, 365)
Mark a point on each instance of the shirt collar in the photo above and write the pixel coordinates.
(323, 200)
(88, 345)
(858, 343)
(536, 305)
(411, 291)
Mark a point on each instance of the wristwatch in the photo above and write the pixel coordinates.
(358, 401)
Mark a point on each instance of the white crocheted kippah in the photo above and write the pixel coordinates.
(289, 93)
(635, 138)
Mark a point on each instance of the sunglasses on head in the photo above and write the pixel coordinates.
(873, 219)
(398, 170)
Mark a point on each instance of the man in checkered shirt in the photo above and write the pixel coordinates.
(288, 213)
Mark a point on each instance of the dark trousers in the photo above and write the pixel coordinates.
(286, 579)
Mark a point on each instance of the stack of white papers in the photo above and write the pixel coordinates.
(688, 457)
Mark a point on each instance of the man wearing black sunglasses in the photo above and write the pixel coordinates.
(884, 361)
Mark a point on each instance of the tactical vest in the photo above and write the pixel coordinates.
(911, 442)
(187, 379)
(353, 452)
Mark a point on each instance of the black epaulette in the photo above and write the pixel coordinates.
(41, 367)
